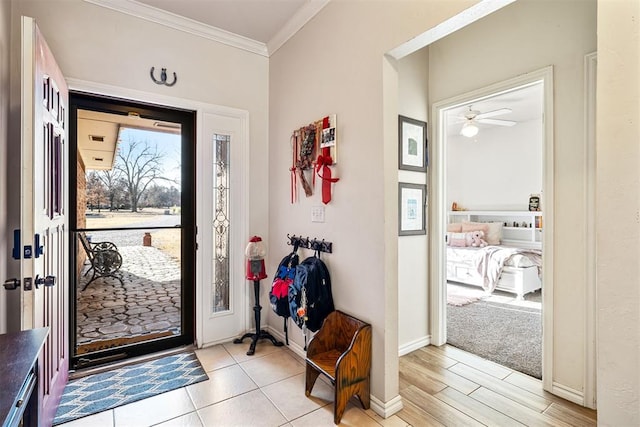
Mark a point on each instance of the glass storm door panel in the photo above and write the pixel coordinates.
(134, 226)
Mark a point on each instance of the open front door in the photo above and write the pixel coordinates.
(44, 290)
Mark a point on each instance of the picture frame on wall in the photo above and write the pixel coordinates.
(411, 209)
(412, 144)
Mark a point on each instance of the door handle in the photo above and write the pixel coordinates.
(47, 281)
(11, 284)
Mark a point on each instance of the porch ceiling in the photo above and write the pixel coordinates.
(98, 135)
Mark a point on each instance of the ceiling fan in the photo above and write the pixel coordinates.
(473, 117)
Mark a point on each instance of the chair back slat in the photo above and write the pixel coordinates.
(86, 245)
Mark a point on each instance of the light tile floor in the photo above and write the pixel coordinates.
(266, 389)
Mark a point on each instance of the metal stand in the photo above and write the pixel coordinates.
(259, 334)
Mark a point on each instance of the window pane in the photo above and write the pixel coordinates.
(221, 223)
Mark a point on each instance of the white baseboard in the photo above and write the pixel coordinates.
(414, 345)
(568, 393)
(297, 349)
(386, 409)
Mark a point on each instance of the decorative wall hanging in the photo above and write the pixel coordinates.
(411, 208)
(163, 77)
(412, 144)
(316, 139)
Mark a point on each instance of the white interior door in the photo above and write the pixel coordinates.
(222, 227)
(44, 252)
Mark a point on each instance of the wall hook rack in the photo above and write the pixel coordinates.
(163, 77)
(313, 244)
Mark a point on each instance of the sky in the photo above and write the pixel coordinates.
(168, 144)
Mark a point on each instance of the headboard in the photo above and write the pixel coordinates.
(521, 229)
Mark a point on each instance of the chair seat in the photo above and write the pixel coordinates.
(326, 363)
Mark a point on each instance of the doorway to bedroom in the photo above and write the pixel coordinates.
(493, 146)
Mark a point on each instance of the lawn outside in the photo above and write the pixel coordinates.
(167, 240)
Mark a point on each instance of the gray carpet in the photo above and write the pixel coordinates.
(505, 334)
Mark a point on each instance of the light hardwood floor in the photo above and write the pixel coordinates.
(445, 386)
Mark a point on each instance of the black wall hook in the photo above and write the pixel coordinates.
(163, 77)
(313, 244)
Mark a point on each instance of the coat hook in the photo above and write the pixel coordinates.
(163, 77)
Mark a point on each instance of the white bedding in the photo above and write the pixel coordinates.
(489, 261)
(467, 255)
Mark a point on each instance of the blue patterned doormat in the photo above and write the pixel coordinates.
(107, 390)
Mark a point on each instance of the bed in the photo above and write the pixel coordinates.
(509, 269)
(512, 264)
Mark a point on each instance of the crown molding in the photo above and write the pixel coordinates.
(299, 19)
(180, 23)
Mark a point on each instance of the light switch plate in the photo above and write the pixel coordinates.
(317, 214)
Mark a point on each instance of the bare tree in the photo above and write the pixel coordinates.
(140, 165)
(159, 196)
(95, 191)
(114, 186)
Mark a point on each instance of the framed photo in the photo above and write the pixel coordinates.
(412, 144)
(411, 209)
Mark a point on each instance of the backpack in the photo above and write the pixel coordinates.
(279, 292)
(310, 298)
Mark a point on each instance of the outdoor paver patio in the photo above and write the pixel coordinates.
(149, 302)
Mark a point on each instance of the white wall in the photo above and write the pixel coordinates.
(5, 29)
(362, 218)
(618, 207)
(413, 319)
(497, 170)
(99, 45)
(525, 36)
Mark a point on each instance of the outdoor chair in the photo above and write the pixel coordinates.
(104, 258)
(341, 350)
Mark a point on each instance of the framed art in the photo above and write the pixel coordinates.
(412, 144)
(411, 209)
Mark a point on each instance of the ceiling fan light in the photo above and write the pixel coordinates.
(469, 130)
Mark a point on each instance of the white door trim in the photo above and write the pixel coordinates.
(201, 109)
(438, 208)
(590, 70)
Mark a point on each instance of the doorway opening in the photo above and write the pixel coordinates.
(494, 181)
(132, 220)
(524, 232)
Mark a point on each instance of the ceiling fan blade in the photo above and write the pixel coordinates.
(493, 113)
(497, 122)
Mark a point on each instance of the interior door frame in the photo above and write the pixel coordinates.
(438, 209)
(201, 108)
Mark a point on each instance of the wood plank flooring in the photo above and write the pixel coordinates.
(445, 386)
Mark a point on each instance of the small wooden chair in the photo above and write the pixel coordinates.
(341, 350)
(104, 258)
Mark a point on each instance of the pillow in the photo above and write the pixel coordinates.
(492, 230)
(457, 239)
(475, 226)
(494, 236)
(455, 227)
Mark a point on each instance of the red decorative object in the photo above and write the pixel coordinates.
(317, 138)
(255, 253)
